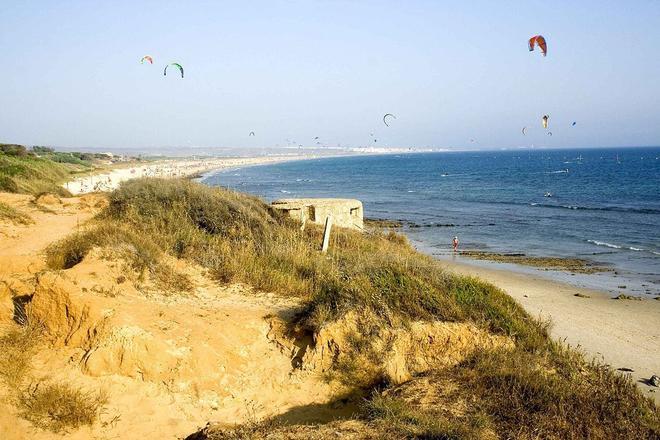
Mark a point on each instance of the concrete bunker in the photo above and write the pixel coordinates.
(346, 213)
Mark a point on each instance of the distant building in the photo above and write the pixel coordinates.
(347, 213)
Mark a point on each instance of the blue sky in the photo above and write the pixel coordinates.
(450, 71)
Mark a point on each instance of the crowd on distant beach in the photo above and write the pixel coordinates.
(110, 180)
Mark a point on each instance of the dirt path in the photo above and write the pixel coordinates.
(53, 218)
(622, 333)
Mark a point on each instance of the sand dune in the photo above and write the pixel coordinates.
(181, 359)
(217, 353)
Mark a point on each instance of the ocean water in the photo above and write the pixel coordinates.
(604, 204)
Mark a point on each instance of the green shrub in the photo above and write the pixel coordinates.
(32, 175)
(42, 150)
(13, 150)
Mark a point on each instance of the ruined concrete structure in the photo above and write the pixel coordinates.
(345, 213)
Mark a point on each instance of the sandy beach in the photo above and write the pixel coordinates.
(621, 333)
(108, 181)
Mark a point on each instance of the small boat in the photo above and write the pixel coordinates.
(548, 194)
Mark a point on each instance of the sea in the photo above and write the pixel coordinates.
(602, 205)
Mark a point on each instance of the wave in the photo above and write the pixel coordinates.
(600, 208)
(604, 243)
(458, 174)
(616, 246)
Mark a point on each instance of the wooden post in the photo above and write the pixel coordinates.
(326, 234)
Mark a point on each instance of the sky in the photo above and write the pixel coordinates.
(456, 74)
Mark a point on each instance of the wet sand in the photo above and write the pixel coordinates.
(621, 333)
(574, 265)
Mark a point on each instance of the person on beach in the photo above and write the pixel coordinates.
(455, 243)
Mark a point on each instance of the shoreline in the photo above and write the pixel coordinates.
(169, 168)
(198, 169)
(285, 159)
(621, 333)
(576, 270)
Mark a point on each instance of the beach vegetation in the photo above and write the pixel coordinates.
(60, 407)
(538, 388)
(42, 169)
(53, 406)
(518, 394)
(18, 345)
(84, 160)
(13, 215)
(140, 252)
(238, 238)
(13, 150)
(29, 174)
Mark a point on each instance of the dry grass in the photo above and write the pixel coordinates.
(56, 407)
(17, 346)
(558, 395)
(140, 251)
(516, 394)
(14, 215)
(60, 407)
(402, 419)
